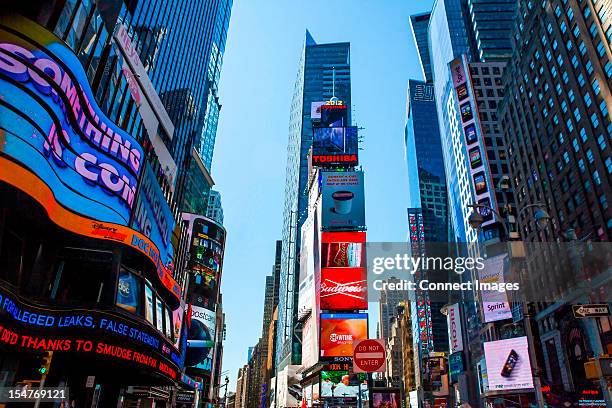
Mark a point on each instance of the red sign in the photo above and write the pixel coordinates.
(369, 356)
(343, 289)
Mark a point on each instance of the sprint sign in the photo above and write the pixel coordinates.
(369, 356)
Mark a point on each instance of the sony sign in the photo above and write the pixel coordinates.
(455, 336)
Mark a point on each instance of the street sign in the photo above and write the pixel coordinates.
(593, 310)
(369, 356)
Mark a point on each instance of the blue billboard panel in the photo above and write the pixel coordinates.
(53, 126)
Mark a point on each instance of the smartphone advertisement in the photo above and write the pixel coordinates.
(508, 364)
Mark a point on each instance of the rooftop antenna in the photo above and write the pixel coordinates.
(333, 82)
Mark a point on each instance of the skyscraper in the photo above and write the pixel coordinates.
(324, 71)
(491, 23)
(419, 24)
(214, 209)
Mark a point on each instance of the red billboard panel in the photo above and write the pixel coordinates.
(338, 330)
(343, 250)
(343, 289)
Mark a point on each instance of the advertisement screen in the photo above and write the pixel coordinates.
(343, 289)
(148, 304)
(201, 338)
(343, 250)
(334, 115)
(159, 315)
(389, 398)
(462, 92)
(128, 292)
(339, 384)
(470, 134)
(495, 304)
(335, 146)
(466, 112)
(343, 200)
(338, 330)
(475, 159)
(91, 164)
(315, 110)
(306, 298)
(508, 364)
(153, 216)
(177, 324)
(480, 183)
(455, 331)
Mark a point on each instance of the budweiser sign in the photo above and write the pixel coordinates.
(343, 289)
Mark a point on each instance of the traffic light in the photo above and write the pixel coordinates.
(45, 363)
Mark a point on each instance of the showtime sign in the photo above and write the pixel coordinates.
(343, 289)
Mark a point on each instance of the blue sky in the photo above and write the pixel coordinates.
(260, 66)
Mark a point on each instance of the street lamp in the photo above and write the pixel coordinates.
(541, 216)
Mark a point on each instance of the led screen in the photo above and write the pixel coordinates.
(338, 330)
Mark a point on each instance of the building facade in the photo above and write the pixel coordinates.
(324, 71)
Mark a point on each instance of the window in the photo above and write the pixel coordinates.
(565, 77)
(595, 85)
(601, 141)
(589, 155)
(566, 157)
(564, 106)
(570, 14)
(582, 48)
(586, 12)
(563, 27)
(583, 135)
(576, 31)
(581, 166)
(603, 108)
(569, 124)
(608, 69)
(587, 99)
(601, 50)
(589, 67)
(594, 121)
(596, 178)
(609, 165)
(571, 95)
(575, 145)
(577, 115)
(593, 29)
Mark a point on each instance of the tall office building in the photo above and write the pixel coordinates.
(419, 24)
(556, 118)
(387, 304)
(492, 22)
(214, 210)
(557, 124)
(426, 177)
(324, 71)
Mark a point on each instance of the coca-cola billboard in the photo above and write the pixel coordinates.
(343, 289)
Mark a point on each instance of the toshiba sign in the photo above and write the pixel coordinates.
(455, 337)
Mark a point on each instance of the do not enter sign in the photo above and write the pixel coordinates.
(368, 356)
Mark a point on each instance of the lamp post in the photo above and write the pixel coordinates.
(542, 219)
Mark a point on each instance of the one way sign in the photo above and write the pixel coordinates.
(596, 310)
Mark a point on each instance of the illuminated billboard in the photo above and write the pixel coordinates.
(335, 146)
(508, 364)
(315, 110)
(343, 249)
(309, 259)
(88, 332)
(338, 330)
(54, 127)
(386, 398)
(153, 216)
(339, 384)
(333, 115)
(343, 289)
(205, 259)
(343, 200)
(201, 339)
(495, 305)
(480, 175)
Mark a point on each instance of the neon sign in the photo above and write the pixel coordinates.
(54, 127)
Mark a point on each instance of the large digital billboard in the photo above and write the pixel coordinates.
(201, 339)
(338, 330)
(386, 398)
(495, 305)
(335, 146)
(343, 200)
(479, 173)
(508, 364)
(153, 216)
(308, 255)
(340, 384)
(205, 259)
(53, 126)
(343, 250)
(344, 289)
(333, 115)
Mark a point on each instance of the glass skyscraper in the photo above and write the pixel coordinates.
(492, 22)
(419, 24)
(324, 71)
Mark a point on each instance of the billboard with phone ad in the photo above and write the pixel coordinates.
(508, 364)
(495, 305)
